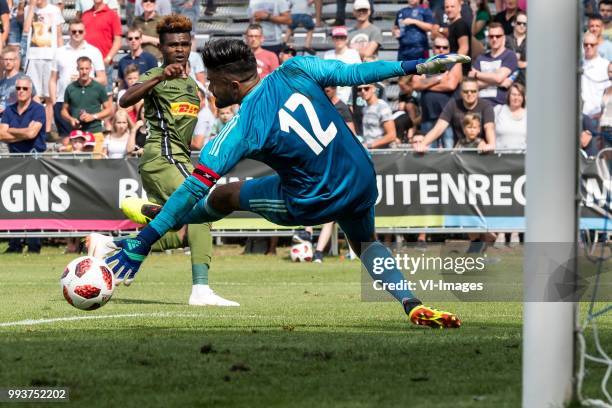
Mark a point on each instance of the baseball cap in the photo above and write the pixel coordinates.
(361, 4)
(90, 139)
(339, 31)
(75, 134)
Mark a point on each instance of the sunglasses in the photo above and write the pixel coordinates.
(22, 88)
(441, 47)
(362, 10)
(469, 91)
(589, 44)
(77, 31)
(364, 88)
(495, 36)
(521, 23)
(339, 37)
(133, 38)
(148, 1)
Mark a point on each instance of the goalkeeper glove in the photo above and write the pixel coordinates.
(132, 252)
(437, 64)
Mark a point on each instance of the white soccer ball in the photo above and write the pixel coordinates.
(301, 252)
(87, 283)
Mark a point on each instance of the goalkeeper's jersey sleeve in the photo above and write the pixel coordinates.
(171, 112)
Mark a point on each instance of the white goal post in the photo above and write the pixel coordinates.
(551, 191)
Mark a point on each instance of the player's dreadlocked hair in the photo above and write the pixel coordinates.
(230, 56)
(173, 24)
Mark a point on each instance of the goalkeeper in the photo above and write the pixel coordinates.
(323, 172)
(171, 107)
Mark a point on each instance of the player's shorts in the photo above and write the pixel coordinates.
(39, 72)
(302, 20)
(265, 197)
(160, 178)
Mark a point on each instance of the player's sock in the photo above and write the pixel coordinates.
(375, 258)
(199, 274)
(200, 242)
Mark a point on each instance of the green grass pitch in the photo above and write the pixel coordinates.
(302, 338)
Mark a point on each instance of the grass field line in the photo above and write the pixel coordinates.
(31, 322)
(219, 283)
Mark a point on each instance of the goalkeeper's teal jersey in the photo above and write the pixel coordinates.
(288, 123)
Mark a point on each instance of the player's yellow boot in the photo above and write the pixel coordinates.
(138, 210)
(426, 316)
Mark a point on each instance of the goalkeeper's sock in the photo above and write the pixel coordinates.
(202, 212)
(148, 235)
(376, 258)
(199, 274)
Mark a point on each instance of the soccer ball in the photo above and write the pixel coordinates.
(87, 283)
(301, 252)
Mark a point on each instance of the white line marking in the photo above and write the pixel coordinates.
(75, 318)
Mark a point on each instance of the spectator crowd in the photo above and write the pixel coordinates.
(59, 88)
(77, 78)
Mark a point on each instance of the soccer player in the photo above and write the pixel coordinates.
(287, 122)
(171, 107)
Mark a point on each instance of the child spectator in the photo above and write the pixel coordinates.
(225, 115)
(92, 146)
(77, 139)
(301, 16)
(115, 144)
(471, 131)
(206, 119)
(138, 136)
(131, 77)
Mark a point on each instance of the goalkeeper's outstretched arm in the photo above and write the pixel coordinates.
(336, 73)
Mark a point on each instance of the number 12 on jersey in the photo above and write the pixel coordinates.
(321, 138)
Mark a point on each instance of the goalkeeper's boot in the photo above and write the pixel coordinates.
(441, 63)
(138, 210)
(426, 316)
(99, 245)
(203, 295)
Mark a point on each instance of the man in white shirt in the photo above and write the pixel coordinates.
(345, 54)
(594, 80)
(43, 28)
(63, 70)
